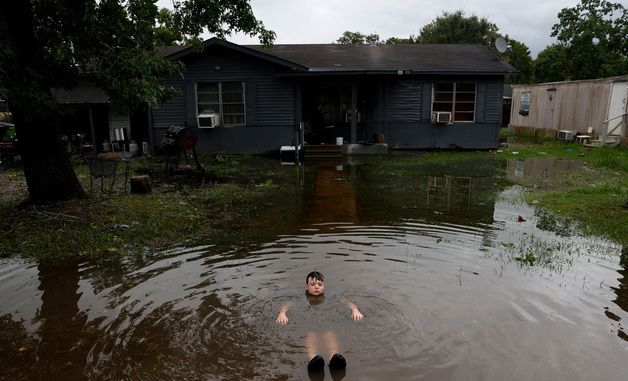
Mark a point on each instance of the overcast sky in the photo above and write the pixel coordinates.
(323, 21)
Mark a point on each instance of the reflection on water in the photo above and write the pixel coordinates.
(548, 168)
(427, 251)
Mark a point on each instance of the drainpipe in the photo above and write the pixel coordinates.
(354, 112)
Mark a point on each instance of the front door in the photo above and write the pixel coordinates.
(550, 103)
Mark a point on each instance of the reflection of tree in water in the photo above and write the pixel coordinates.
(621, 292)
(17, 351)
(171, 343)
(60, 352)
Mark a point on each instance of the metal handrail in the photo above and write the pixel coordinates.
(606, 123)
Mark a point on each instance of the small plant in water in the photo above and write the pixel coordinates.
(528, 258)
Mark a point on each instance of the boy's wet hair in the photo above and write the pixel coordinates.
(314, 275)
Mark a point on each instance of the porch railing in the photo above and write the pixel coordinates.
(614, 127)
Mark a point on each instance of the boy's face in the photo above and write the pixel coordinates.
(315, 287)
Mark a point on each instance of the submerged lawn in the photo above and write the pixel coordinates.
(596, 198)
(175, 213)
(245, 196)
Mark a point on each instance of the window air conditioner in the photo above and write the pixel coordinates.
(208, 120)
(565, 135)
(441, 117)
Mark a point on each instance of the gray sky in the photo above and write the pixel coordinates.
(323, 21)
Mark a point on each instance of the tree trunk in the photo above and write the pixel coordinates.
(49, 173)
(28, 79)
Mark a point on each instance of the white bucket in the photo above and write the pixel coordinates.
(339, 141)
(134, 148)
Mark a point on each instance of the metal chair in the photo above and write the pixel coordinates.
(99, 168)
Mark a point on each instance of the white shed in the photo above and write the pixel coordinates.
(599, 104)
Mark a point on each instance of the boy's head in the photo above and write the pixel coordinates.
(315, 283)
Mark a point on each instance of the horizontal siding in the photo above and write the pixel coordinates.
(271, 96)
(494, 102)
(275, 103)
(405, 101)
(171, 112)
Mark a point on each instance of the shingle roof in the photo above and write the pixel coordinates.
(416, 58)
(342, 58)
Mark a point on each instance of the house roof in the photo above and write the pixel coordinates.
(361, 59)
(409, 58)
(83, 93)
(176, 52)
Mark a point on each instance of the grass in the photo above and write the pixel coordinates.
(174, 214)
(240, 194)
(596, 198)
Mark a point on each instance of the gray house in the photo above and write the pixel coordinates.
(254, 99)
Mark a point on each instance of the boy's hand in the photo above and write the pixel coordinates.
(356, 314)
(282, 318)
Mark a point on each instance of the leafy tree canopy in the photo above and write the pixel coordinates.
(518, 55)
(358, 38)
(594, 35)
(47, 44)
(551, 64)
(456, 28)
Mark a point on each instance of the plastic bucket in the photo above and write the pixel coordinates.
(339, 141)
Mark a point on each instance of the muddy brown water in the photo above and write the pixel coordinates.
(431, 253)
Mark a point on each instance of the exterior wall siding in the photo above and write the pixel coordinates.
(400, 108)
(269, 103)
(577, 105)
(407, 122)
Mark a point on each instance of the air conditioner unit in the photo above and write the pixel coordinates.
(565, 135)
(208, 120)
(441, 117)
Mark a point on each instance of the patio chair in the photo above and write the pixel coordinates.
(585, 138)
(99, 168)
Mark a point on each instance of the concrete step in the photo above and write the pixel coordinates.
(322, 151)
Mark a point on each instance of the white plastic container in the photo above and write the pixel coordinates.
(134, 148)
(339, 141)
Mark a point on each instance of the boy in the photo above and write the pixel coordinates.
(315, 291)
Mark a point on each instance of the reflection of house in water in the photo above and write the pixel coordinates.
(521, 168)
(333, 198)
(443, 192)
(448, 191)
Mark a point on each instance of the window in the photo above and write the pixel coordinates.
(524, 105)
(224, 98)
(458, 98)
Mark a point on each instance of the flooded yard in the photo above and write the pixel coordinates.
(456, 277)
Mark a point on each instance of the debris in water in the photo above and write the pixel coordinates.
(520, 218)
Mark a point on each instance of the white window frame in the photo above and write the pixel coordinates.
(220, 111)
(525, 100)
(453, 101)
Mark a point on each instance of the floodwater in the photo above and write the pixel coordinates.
(432, 254)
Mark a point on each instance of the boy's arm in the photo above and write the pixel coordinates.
(282, 318)
(355, 312)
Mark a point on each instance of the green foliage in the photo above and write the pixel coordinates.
(114, 40)
(551, 64)
(594, 36)
(456, 28)
(166, 32)
(396, 40)
(358, 38)
(518, 55)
